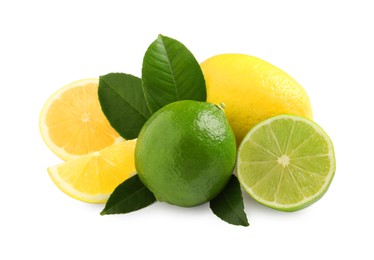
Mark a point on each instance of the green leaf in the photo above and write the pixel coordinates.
(228, 205)
(170, 73)
(122, 101)
(130, 195)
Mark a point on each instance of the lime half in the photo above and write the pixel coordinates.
(286, 162)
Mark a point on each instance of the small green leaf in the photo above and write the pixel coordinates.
(170, 73)
(228, 205)
(130, 195)
(122, 101)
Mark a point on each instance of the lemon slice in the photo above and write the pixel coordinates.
(72, 123)
(286, 162)
(93, 177)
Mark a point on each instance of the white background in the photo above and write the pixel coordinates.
(327, 46)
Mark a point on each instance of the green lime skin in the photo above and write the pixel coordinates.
(186, 153)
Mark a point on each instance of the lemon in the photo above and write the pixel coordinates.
(286, 162)
(252, 90)
(72, 123)
(186, 153)
(93, 177)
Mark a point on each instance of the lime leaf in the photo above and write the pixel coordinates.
(171, 73)
(228, 205)
(122, 101)
(130, 195)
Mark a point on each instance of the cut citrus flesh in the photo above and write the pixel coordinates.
(286, 162)
(72, 122)
(93, 177)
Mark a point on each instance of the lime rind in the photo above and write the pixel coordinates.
(286, 162)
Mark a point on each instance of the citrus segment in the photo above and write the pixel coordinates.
(252, 90)
(286, 162)
(72, 123)
(93, 177)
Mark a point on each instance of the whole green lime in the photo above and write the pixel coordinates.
(186, 152)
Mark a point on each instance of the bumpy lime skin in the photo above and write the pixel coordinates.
(186, 153)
